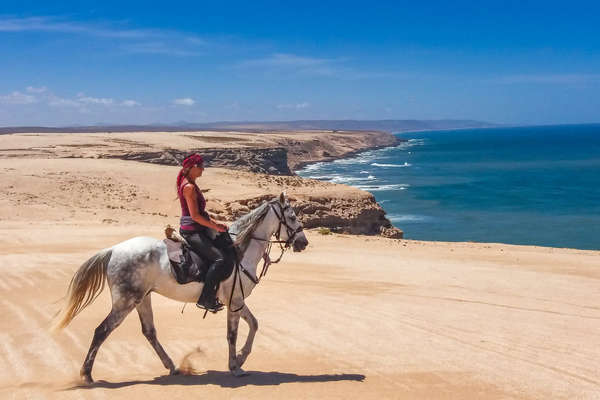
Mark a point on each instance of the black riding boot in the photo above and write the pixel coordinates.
(208, 299)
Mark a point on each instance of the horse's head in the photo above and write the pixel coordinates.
(290, 229)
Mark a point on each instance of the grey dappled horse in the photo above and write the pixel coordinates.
(137, 267)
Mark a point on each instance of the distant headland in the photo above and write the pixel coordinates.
(386, 125)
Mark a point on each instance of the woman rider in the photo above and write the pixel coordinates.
(196, 227)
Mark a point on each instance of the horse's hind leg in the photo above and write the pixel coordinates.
(144, 310)
(115, 317)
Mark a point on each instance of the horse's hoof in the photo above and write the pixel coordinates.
(238, 372)
(87, 379)
(240, 360)
(175, 371)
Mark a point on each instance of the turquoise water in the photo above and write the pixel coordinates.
(525, 185)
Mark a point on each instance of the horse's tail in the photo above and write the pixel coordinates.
(87, 283)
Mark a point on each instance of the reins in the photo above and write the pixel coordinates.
(283, 245)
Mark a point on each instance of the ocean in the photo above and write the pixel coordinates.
(519, 185)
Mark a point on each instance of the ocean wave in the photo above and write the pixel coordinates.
(319, 177)
(348, 179)
(392, 165)
(380, 188)
(416, 141)
(337, 178)
(366, 157)
(407, 218)
(312, 167)
(362, 159)
(410, 143)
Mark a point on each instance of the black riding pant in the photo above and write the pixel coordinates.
(219, 256)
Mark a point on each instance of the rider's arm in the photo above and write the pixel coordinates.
(189, 194)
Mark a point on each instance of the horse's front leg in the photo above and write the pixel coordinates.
(233, 321)
(253, 325)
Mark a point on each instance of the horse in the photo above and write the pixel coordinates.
(137, 267)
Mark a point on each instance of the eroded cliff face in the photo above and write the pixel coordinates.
(356, 216)
(276, 153)
(334, 145)
(353, 216)
(340, 208)
(291, 153)
(259, 160)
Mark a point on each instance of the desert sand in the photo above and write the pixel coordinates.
(350, 317)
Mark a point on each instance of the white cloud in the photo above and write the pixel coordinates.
(95, 100)
(56, 101)
(44, 96)
(297, 106)
(32, 89)
(311, 66)
(17, 97)
(186, 101)
(130, 103)
(54, 24)
(148, 41)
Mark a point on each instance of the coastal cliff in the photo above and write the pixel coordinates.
(318, 204)
(267, 159)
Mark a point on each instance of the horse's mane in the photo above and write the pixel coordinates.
(244, 226)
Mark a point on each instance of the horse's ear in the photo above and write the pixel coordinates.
(282, 198)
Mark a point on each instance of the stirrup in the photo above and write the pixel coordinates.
(213, 308)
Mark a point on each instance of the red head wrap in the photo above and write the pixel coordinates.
(188, 162)
(191, 160)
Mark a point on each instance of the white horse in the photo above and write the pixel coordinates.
(137, 267)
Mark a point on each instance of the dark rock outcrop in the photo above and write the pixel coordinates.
(355, 216)
(362, 216)
(271, 161)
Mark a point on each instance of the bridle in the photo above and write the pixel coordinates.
(283, 245)
(291, 233)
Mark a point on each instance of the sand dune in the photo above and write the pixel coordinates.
(350, 317)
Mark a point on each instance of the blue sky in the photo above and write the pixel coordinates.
(136, 62)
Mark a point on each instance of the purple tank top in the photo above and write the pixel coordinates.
(186, 221)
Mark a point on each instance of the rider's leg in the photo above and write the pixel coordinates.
(205, 249)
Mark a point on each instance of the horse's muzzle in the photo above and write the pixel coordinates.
(300, 243)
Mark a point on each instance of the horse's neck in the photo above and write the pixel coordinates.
(256, 249)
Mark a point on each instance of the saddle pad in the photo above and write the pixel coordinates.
(187, 267)
(174, 250)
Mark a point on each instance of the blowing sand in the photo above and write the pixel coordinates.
(350, 317)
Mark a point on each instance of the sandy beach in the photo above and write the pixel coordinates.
(352, 316)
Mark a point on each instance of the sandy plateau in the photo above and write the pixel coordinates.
(353, 316)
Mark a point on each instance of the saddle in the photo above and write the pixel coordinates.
(186, 265)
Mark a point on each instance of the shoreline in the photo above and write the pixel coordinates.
(353, 154)
(350, 154)
(402, 140)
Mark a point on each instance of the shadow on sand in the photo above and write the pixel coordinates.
(226, 380)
